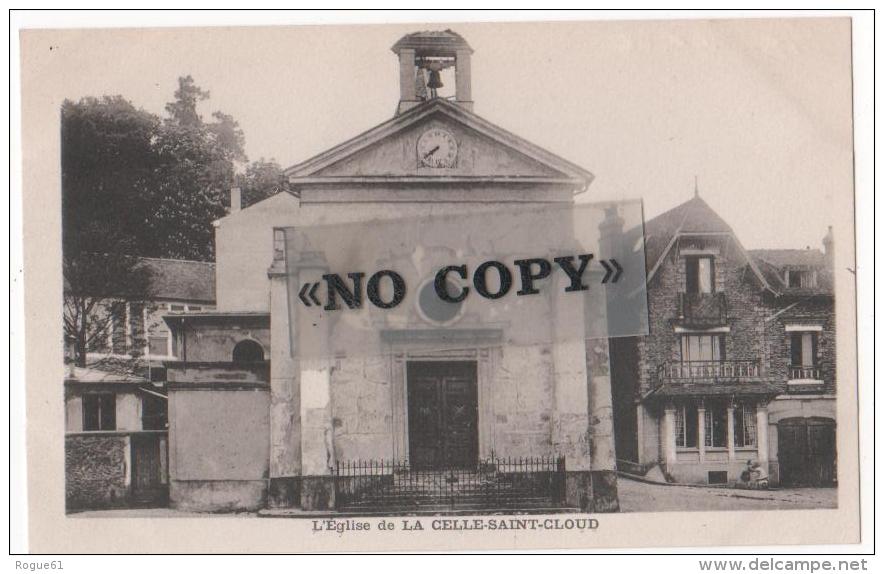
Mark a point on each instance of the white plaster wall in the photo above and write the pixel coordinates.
(244, 252)
(128, 412)
(649, 441)
(244, 240)
(224, 435)
(73, 413)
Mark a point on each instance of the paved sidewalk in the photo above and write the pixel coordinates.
(157, 513)
(635, 496)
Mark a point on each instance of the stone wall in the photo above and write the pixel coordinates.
(746, 312)
(804, 311)
(756, 321)
(515, 404)
(361, 408)
(522, 402)
(97, 471)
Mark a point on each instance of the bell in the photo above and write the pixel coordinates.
(435, 80)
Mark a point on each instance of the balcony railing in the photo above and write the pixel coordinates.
(804, 373)
(702, 309)
(708, 371)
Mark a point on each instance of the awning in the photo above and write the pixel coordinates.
(154, 393)
(700, 390)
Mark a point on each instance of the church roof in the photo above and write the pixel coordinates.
(432, 40)
(563, 171)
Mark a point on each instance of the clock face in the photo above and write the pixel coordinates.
(436, 148)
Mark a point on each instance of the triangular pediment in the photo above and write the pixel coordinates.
(482, 152)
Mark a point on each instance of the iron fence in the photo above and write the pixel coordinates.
(494, 482)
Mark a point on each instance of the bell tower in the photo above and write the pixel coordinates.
(422, 57)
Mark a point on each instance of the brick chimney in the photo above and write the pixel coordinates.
(829, 248)
(235, 199)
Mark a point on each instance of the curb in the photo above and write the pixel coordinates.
(638, 478)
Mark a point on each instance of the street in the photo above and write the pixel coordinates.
(635, 496)
(638, 496)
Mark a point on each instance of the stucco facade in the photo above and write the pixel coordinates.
(274, 432)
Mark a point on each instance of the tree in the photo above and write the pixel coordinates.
(158, 184)
(97, 288)
(107, 164)
(135, 185)
(197, 166)
(260, 180)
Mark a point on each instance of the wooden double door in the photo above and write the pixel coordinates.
(443, 414)
(806, 451)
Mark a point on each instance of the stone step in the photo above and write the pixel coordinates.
(446, 495)
(441, 506)
(466, 490)
(397, 502)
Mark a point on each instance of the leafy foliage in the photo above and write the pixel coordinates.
(135, 184)
(156, 183)
(196, 167)
(260, 180)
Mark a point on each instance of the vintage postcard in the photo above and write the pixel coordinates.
(440, 286)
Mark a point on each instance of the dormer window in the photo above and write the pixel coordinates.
(700, 274)
(801, 278)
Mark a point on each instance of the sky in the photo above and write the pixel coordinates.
(758, 111)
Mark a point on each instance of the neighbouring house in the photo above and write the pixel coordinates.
(116, 412)
(137, 330)
(252, 427)
(739, 363)
(801, 335)
(115, 440)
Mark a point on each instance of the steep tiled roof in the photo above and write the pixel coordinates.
(771, 273)
(181, 280)
(693, 216)
(791, 257)
(774, 262)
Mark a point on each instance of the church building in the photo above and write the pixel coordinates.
(477, 423)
